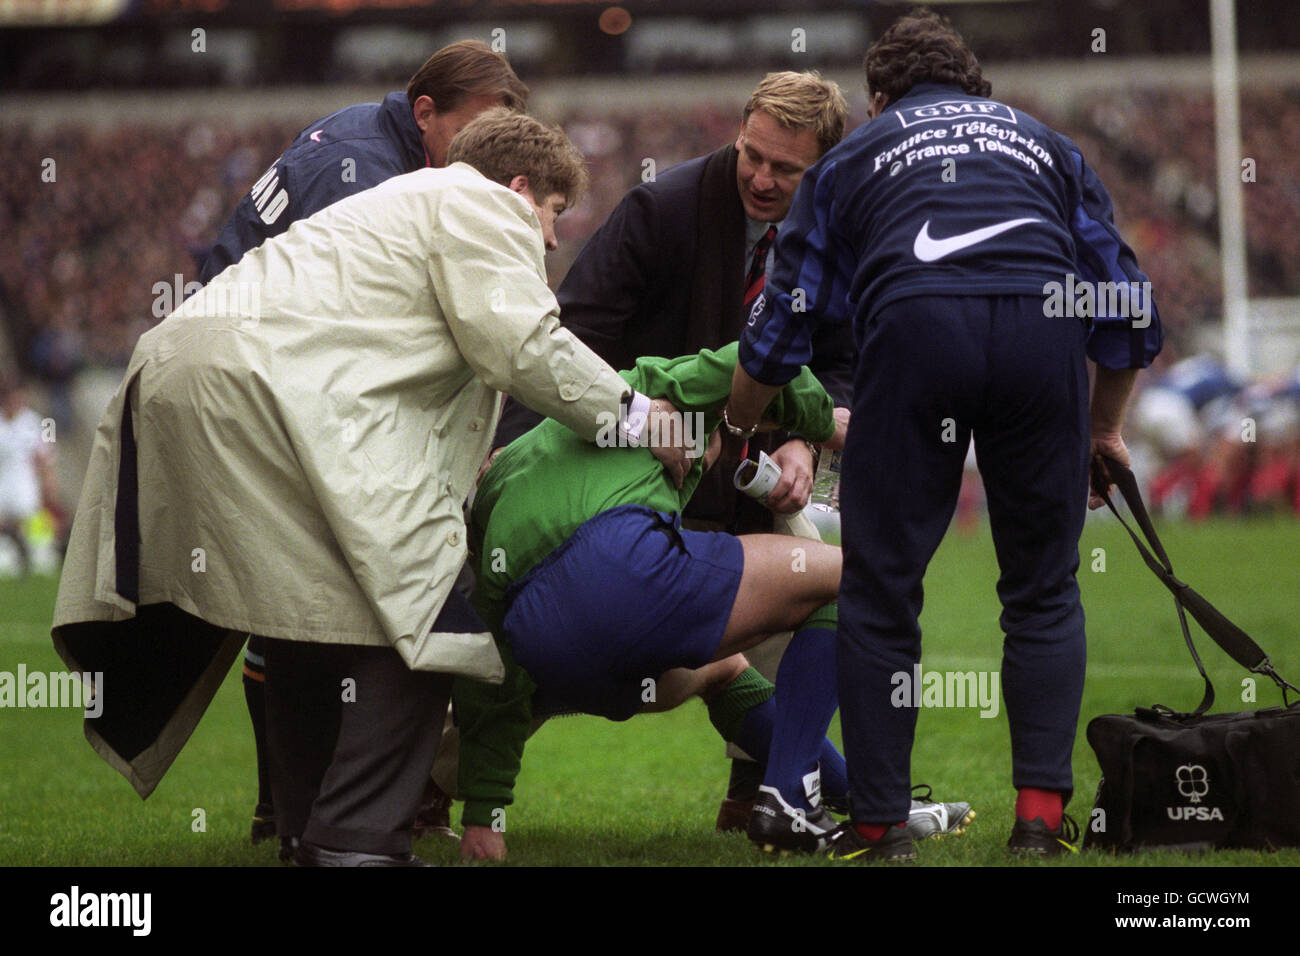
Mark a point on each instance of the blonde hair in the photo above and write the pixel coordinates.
(802, 100)
(502, 144)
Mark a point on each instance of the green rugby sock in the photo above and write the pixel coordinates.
(728, 710)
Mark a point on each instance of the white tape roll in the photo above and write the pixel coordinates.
(757, 478)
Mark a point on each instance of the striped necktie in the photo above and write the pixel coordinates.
(758, 267)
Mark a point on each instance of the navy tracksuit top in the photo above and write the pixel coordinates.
(348, 151)
(948, 194)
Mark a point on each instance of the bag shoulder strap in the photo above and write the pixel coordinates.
(1235, 642)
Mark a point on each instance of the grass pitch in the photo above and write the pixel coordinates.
(645, 792)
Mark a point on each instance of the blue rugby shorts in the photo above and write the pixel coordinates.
(628, 596)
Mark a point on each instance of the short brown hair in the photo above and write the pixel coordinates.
(922, 47)
(502, 144)
(463, 69)
(802, 100)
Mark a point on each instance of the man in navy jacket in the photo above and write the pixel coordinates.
(361, 146)
(975, 255)
(354, 149)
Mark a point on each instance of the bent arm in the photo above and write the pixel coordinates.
(487, 274)
(494, 721)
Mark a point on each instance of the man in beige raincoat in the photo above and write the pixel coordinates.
(289, 455)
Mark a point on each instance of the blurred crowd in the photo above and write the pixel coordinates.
(101, 217)
(89, 237)
(1213, 444)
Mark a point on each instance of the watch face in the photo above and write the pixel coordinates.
(735, 432)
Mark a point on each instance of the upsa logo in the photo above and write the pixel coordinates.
(1193, 783)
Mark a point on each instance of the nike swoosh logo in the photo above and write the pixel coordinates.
(315, 137)
(928, 249)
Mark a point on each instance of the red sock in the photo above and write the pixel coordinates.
(1032, 802)
(873, 831)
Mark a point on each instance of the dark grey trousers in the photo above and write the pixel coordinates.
(353, 733)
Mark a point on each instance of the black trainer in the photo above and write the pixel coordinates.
(895, 846)
(777, 827)
(1034, 838)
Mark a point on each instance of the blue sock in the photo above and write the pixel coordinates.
(805, 700)
(756, 740)
(756, 732)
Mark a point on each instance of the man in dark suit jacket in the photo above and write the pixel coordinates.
(679, 265)
(669, 271)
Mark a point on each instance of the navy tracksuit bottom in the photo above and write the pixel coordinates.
(933, 371)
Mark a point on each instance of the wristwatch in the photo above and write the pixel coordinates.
(744, 434)
(813, 449)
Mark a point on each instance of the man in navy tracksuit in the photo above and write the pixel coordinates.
(364, 145)
(348, 151)
(976, 256)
